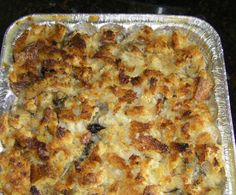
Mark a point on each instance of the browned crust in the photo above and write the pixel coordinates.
(18, 175)
(180, 147)
(136, 80)
(35, 144)
(108, 36)
(136, 126)
(3, 124)
(155, 118)
(123, 78)
(128, 97)
(134, 159)
(86, 112)
(77, 41)
(117, 161)
(150, 143)
(204, 88)
(105, 55)
(38, 172)
(85, 138)
(61, 132)
(145, 142)
(159, 105)
(136, 110)
(151, 190)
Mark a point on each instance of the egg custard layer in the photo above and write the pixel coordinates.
(108, 113)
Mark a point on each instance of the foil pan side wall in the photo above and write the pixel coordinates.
(198, 30)
(224, 119)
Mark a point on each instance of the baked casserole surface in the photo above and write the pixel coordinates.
(110, 112)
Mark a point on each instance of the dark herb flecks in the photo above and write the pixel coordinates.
(34, 191)
(95, 127)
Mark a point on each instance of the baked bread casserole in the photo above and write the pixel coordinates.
(110, 112)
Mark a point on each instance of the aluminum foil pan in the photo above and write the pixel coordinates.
(198, 30)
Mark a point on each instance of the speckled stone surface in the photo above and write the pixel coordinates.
(220, 14)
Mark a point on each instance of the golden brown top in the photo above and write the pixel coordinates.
(112, 112)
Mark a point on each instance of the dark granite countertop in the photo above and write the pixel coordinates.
(220, 14)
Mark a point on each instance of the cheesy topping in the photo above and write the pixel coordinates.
(112, 112)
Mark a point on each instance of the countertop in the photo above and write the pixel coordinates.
(220, 14)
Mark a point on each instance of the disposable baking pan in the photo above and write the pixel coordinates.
(198, 30)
